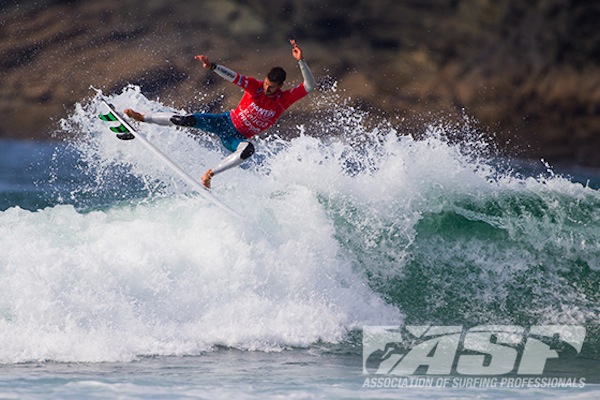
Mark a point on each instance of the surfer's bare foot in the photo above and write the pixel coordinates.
(206, 178)
(134, 115)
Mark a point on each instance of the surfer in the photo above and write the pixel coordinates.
(261, 106)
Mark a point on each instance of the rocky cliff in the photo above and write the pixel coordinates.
(527, 70)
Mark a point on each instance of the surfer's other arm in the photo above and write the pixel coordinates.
(220, 70)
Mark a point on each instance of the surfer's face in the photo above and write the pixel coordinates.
(270, 88)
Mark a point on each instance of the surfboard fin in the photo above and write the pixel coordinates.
(122, 131)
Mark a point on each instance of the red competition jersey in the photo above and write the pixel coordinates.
(256, 112)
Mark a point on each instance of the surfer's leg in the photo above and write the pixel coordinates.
(218, 124)
(243, 151)
(231, 139)
(162, 118)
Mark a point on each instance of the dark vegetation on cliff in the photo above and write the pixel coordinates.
(527, 70)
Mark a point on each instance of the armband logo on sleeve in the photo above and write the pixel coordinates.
(226, 72)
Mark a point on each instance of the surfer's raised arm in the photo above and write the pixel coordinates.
(309, 79)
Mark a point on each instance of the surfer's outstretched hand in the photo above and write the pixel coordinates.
(206, 63)
(296, 50)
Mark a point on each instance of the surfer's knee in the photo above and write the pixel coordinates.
(184, 120)
(247, 149)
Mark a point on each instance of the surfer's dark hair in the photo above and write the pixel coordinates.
(277, 75)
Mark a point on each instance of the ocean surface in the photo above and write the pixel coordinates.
(120, 282)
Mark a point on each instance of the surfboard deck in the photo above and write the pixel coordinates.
(125, 131)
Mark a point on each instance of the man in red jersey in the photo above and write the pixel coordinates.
(261, 106)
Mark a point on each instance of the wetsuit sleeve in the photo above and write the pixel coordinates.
(309, 79)
(245, 82)
(224, 72)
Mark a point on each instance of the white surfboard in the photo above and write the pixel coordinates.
(125, 131)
